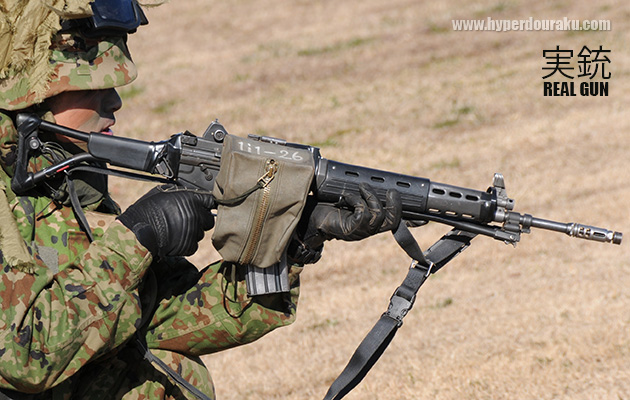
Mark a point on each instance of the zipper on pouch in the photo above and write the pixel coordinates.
(271, 168)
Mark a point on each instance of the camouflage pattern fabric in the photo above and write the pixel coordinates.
(26, 30)
(77, 63)
(70, 334)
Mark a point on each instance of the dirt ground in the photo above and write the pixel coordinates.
(391, 85)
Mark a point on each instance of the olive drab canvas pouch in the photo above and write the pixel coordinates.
(261, 191)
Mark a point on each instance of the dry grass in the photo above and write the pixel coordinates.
(390, 85)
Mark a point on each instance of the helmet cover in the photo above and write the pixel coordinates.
(71, 61)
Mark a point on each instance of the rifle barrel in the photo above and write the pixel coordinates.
(579, 230)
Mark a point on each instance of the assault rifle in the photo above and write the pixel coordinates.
(194, 162)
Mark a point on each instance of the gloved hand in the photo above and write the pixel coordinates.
(170, 221)
(363, 217)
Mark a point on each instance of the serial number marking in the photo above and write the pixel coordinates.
(284, 154)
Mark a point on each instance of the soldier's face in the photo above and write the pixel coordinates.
(86, 110)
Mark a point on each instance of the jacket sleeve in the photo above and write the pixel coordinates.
(53, 324)
(215, 313)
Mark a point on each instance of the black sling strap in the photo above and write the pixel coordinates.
(174, 375)
(78, 210)
(377, 340)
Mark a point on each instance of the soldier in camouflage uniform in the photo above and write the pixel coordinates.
(108, 318)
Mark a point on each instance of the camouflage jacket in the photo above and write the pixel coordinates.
(72, 312)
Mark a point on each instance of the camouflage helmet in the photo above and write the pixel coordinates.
(81, 55)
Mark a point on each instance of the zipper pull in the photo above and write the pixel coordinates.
(271, 167)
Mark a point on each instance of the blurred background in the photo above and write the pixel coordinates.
(391, 85)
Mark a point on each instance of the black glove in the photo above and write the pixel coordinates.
(170, 221)
(361, 217)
